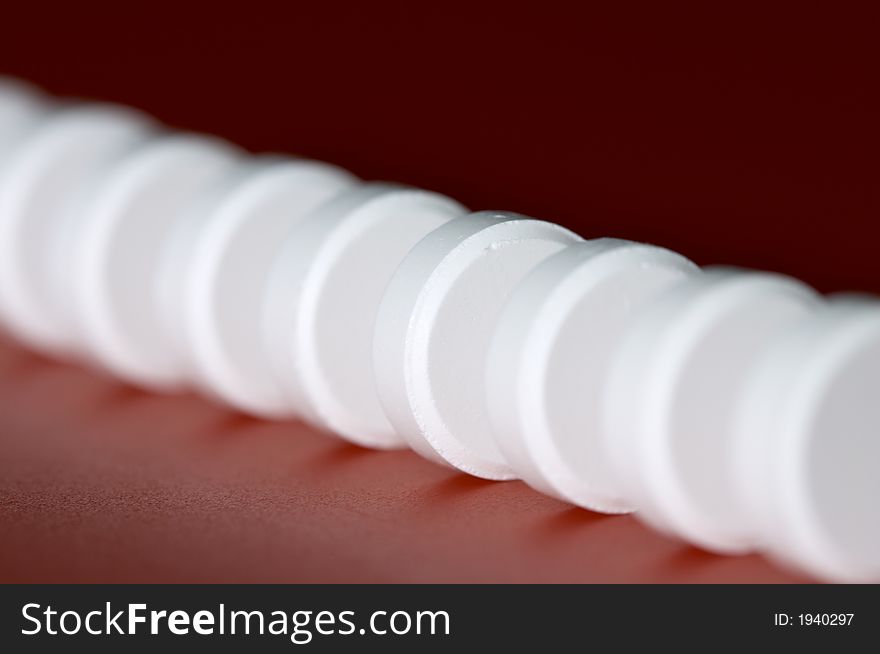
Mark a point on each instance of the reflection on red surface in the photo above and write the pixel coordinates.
(103, 483)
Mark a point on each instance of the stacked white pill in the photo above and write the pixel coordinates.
(550, 362)
(736, 410)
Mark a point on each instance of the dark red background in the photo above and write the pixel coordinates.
(739, 136)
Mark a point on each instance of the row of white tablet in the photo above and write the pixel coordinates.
(735, 409)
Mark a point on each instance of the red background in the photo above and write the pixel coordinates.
(734, 136)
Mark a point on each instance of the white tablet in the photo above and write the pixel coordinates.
(436, 325)
(127, 229)
(224, 253)
(42, 187)
(672, 396)
(324, 296)
(808, 436)
(548, 365)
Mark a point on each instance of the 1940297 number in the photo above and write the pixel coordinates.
(826, 619)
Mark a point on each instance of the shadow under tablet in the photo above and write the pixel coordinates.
(103, 483)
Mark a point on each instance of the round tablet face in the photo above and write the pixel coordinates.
(235, 240)
(40, 191)
(756, 420)
(173, 269)
(436, 325)
(824, 447)
(550, 357)
(127, 227)
(684, 437)
(326, 290)
(626, 385)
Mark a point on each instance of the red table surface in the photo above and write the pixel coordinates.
(734, 136)
(102, 482)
